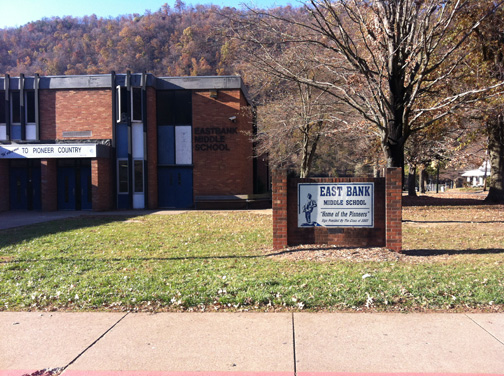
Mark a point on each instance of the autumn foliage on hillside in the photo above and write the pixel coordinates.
(183, 40)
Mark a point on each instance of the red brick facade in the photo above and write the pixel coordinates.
(83, 110)
(49, 175)
(102, 184)
(222, 172)
(387, 212)
(152, 160)
(75, 111)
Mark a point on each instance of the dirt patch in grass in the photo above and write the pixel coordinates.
(324, 253)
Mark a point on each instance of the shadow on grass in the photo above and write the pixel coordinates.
(442, 201)
(450, 252)
(447, 222)
(17, 235)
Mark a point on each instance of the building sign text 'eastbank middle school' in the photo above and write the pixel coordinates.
(336, 204)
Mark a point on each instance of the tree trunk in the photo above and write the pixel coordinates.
(394, 154)
(422, 179)
(496, 156)
(412, 181)
(309, 149)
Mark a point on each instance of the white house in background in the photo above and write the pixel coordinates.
(476, 178)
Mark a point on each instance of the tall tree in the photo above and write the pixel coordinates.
(490, 40)
(390, 60)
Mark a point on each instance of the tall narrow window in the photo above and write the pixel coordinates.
(3, 120)
(30, 107)
(2, 107)
(136, 104)
(31, 129)
(122, 172)
(138, 176)
(15, 107)
(122, 105)
(15, 114)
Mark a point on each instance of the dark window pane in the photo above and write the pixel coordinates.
(122, 105)
(138, 176)
(30, 107)
(182, 108)
(166, 145)
(2, 107)
(15, 107)
(174, 107)
(123, 177)
(16, 132)
(137, 104)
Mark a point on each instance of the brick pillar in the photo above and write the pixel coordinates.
(279, 209)
(101, 181)
(49, 184)
(393, 209)
(152, 178)
(4, 185)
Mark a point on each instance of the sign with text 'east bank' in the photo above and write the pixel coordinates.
(336, 204)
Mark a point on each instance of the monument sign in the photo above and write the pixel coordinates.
(336, 204)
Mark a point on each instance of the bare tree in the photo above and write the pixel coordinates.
(391, 61)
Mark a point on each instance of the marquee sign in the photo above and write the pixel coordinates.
(336, 204)
(48, 151)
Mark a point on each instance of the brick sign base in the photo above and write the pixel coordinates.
(387, 230)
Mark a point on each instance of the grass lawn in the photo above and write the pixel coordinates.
(209, 261)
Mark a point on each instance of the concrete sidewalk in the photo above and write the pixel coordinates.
(248, 344)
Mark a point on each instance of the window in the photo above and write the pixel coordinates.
(138, 176)
(174, 145)
(136, 104)
(2, 107)
(174, 107)
(15, 107)
(174, 117)
(134, 110)
(30, 106)
(123, 177)
(3, 121)
(122, 105)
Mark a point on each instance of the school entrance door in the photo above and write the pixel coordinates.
(175, 187)
(74, 184)
(24, 181)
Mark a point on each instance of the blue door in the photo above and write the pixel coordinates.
(24, 184)
(175, 187)
(74, 185)
(18, 188)
(66, 188)
(85, 185)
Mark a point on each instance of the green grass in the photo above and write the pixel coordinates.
(222, 261)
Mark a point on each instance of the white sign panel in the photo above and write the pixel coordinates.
(48, 151)
(336, 204)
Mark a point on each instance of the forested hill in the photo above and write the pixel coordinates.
(183, 40)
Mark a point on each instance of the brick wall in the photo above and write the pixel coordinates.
(222, 172)
(102, 184)
(75, 110)
(280, 213)
(387, 211)
(4, 185)
(394, 209)
(49, 184)
(152, 186)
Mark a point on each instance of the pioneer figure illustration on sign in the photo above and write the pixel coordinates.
(308, 209)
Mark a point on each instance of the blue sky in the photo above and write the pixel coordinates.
(19, 12)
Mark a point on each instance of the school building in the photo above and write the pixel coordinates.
(127, 141)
